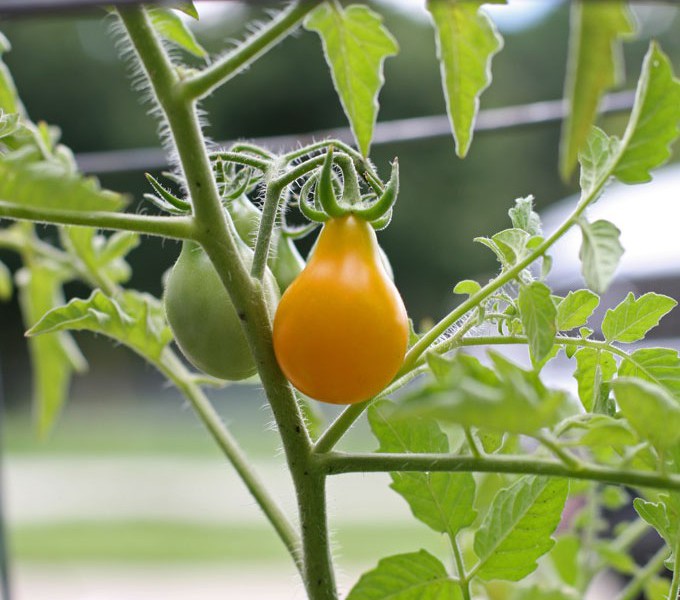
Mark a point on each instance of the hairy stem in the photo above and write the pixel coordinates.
(337, 463)
(232, 63)
(167, 227)
(173, 369)
(215, 232)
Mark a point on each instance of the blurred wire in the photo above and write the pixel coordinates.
(387, 132)
(4, 558)
(34, 8)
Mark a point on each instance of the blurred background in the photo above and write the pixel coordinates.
(129, 498)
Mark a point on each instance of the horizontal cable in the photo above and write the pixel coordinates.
(386, 132)
(34, 8)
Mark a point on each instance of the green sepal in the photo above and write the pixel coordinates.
(324, 189)
(386, 201)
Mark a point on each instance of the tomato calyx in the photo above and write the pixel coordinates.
(374, 207)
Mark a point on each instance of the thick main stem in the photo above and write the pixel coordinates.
(216, 235)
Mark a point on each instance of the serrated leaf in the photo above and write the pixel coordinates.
(662, 516)
(413, 576)
(508, 399)
(517, 530)
(595, 65)
(355, 45)
(50, 186)
(600, 253)
(133, 318)
(512, 244)
(523, 216)
(575, 310)
(538, 314)
(594, 367)
(650, 409)
(658, 365)
(54, 357)
(654, 122)
(596, 158)
(467, 41)
(633, 318)
(171, 27)
(443, 501)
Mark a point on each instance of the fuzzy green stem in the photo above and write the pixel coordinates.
(554, 447)
(464, 581)
(471, 442)
(248, 52)
(337, 463)
(674, 592)
(264, 232)
(215, 233)
(168, 227)
(173, 369)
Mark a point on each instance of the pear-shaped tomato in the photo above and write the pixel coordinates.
(341, 329)
(203, 319)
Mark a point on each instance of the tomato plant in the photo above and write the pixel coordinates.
(486, 452)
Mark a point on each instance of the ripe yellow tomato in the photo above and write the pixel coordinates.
(341, 329)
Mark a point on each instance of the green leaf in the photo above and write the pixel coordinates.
(467, 40)
(617, 559)
(467, 286)
(443, 501)
(101, 254)
(565, 558)
(9, 97)
(355, 45)
(606, 431)
(600, 253)
(594, 367)
(654, 122)
(633, 318)
(51, 186)
(575, 310)
(54, 357)
(508, 399)
(595, 65)
(171, 27)
(523, 216)
(597, 158)
(187, 7)
(538, 315)
(663, 516)
(517, 530)
(9, 123)
(658, 365)
(413, 576)
(133, 318)
(650, 409)
(6, 287)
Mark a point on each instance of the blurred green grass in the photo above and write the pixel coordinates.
(182, 543)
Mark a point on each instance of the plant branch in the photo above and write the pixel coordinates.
(173, 369)
(264, 233)
(168, 227)
(337, 463)
(234, 62)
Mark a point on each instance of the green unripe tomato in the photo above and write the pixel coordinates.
(203, 319)
(284, 261)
